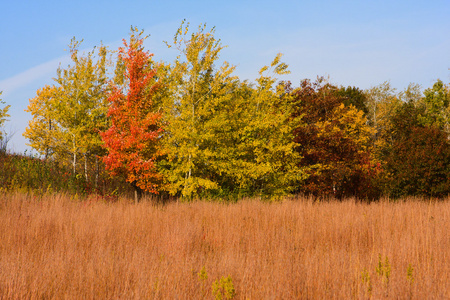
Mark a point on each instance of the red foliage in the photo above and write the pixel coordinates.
(132, 139)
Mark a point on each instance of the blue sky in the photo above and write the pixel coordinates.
(359, 43)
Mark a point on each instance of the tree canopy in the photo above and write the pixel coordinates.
(191, 128)
(133, 137)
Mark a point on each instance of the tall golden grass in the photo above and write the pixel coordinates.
(55, 247)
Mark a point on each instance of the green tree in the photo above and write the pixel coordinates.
(416, 162)
(354, 96)
(412, 94)
(436, 103)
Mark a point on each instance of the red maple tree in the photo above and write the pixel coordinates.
(132, 139)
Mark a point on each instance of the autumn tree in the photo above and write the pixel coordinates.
(198, 92)
(132, 140)
(354, 96)
(3, 117)
(68, 116)
(254, 150)
(417, 162)
(3, 113)
(43, 129)
(82, 106)
(223, 136)
(437, 106)
(268, 161)
(334, 142)
(412, 93)
(382, 101)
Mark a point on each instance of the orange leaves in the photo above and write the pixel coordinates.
(132, 139)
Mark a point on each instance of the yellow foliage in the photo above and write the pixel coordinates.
(3, 114)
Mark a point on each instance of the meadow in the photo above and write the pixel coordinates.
(58, 247)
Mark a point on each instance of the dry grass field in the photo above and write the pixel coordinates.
(58, 248)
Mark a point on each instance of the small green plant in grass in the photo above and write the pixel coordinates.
(223, 288)
(156, 285)
(202, 275)
(410, 274)
(365, 277)
(384, 269)
(410, 277)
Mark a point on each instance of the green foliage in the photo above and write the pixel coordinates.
(375, 96)
(382, 103)
(412, 94)
(384, 269)
(410, 274)
(42, 129)
(436, 103)
(354, 96)
(202, 275)
(270, 163)
(416, 162)
(197, 91)
(410, 278)
(223, 288)
(32, 174)
(365, 278)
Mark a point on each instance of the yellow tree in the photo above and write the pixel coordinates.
(382, 103)
(3, 117)
(268, 163)
(68, 117)
(43, 129)
(223, 135)
(3, 113)
(82, 105)
(197, 93)
(412, 94)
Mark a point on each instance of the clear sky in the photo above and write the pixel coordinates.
(360, 43)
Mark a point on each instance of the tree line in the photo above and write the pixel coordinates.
(193, 129)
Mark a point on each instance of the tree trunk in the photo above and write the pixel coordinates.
(74, 163)
(47, 149)
(96, 171)
(85, 167)
(137, 192)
